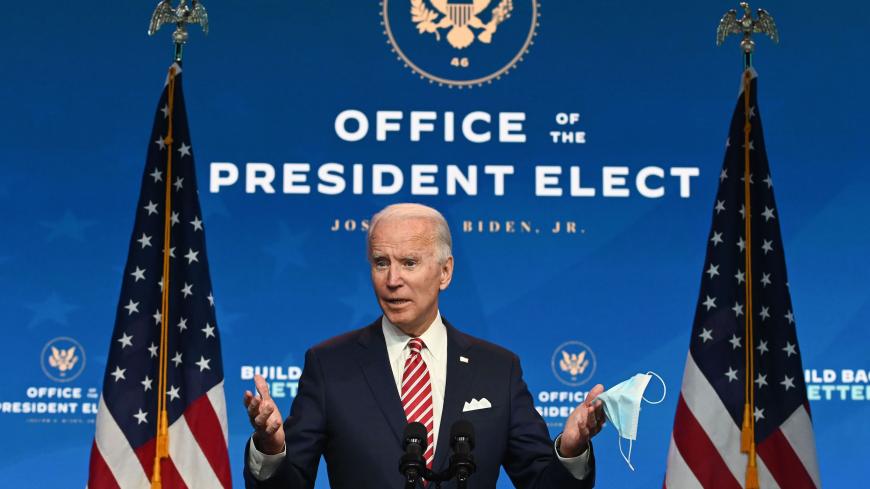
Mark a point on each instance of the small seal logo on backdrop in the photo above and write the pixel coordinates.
(460, 43)
(62, 359)
(573, 363)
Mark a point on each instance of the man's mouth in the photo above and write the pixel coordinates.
(397, 302)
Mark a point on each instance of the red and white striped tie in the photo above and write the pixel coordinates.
(417, 394)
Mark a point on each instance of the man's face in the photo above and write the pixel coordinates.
(406, 274)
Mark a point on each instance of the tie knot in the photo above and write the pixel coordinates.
(416, 345)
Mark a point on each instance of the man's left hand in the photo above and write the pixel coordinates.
(585, 421)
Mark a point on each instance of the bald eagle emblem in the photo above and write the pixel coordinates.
(63, 359)
(573, 363)
(460, 19)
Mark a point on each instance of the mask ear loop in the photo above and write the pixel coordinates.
(627, 460)
(664, 387)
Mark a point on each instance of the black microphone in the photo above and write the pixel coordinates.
(462, 443)
(412, 464)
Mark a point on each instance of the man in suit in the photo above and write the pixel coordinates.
(359, 390)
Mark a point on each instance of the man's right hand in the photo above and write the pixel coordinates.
(265, 418)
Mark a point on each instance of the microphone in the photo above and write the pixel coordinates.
(412, 464)
(462, 443)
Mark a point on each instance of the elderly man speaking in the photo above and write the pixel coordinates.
(359, 390)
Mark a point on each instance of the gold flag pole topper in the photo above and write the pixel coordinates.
(747, 25)
(180, 16)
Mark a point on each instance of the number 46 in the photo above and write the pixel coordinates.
(461, 62)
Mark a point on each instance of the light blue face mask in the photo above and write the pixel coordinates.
(622, 408)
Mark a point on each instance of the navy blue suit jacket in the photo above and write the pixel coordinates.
(348, 409)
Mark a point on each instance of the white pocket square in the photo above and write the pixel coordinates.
(474, 405)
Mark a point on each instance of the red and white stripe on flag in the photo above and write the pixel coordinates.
(198, 455)
(705, 444)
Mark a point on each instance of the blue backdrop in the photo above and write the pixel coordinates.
(649, 89)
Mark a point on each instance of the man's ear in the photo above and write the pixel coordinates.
(446, 273)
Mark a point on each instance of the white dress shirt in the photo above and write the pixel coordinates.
(262, 466)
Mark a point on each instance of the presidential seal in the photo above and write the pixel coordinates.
(460, 43)
(62, 359)
(573, 363)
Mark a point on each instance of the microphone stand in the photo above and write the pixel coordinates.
(438, 477)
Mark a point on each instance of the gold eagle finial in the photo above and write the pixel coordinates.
(180, 16)
(746, 25)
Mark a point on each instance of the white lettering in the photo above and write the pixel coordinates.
(467, 182)
(468, 127)
(330, 174)
(643, 175)
(417, 124)
(259, 175)
(421, 175)
(613, 177)
(357, 179)
(448, 127)
(546, 176)
(385, 123)
(341, 125)
(498, 173)
(510, 127)
(577, 190)
(222, 174)
(296, 173)
(378, 172)
(685, 174)
(247, 372)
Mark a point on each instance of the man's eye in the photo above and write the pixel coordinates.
(410, 263)
(381, 263)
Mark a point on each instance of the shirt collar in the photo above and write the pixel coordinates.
(435, 337)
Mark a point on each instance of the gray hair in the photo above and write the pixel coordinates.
(406, 211)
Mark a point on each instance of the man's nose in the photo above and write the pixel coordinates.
(394, 276)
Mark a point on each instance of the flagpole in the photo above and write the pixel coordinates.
(162, 445)
(747, 25)
(748, 429)
(771, 413)
(181, 15)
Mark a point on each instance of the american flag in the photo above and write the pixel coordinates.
(705, 448)
(122, 455)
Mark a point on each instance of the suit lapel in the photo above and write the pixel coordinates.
(374, 362)
(459, 380)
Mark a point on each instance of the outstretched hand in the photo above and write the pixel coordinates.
(265, 418)
(585, 421)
